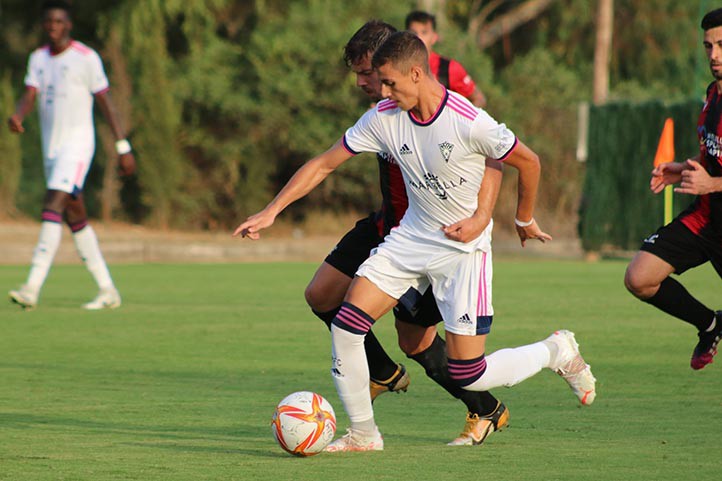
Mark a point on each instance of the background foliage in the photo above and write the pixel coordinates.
(224, 99)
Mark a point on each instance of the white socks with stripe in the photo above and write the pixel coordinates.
(86, 242)
(48, 242)
(351, 375)
(508, 367)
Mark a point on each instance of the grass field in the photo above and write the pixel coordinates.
(180, 383)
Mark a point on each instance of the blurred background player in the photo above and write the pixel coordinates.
(695, 236)
(418, 337)
(450, 73)
(65, 76)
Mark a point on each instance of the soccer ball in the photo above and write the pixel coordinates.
(304, 423)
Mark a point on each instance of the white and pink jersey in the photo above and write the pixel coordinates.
(442, 161)
(66, 83)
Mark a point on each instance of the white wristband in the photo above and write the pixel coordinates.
(523, 224)
(122, 146)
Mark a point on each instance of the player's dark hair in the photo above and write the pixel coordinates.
(57, 4)
(712, 19)
(366, 40)
(402, 50)
(418, 16)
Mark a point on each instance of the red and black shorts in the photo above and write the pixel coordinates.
(682, 249)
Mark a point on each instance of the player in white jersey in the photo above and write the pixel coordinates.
(65, 77)
(440, 142)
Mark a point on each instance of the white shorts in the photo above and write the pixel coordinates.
(461, 281)
(67, 172)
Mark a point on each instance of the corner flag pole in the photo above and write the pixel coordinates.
(665, 153)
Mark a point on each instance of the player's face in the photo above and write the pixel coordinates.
(425, 31)
(399, 87)
(713, 48)
(367, 79)
(57, 25)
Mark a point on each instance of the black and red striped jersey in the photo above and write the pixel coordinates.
(704, 216)
(393, 194)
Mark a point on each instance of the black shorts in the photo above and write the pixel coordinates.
(355, 247)
(682, 249)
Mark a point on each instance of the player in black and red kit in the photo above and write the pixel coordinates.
(417, 330)
(695, 236)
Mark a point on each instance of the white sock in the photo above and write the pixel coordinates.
(47, 246)
(351, 376)
(86, 242)
(508, 367)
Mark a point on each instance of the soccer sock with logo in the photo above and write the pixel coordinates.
(86, 242)
(51, 231)
(350, 370)
(506, 367)
(435, 364)
(381, 366)
(675, 300)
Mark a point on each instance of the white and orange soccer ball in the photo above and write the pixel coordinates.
(304, 423)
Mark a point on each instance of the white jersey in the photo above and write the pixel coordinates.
(66, 83)
(442, 161)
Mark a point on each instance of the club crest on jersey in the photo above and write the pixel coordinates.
(446, 149)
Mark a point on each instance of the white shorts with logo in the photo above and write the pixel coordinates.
(461, 281)
(67, 170)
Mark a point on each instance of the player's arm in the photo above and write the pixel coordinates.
(696, 180)
(478, 98)
(469, 229)
(126, 159)
(24, 107)
(527, 163)
(303, 181)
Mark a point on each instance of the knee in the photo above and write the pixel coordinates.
(638, 285)
(315, 298)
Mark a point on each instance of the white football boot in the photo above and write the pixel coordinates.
(357, 441)
(570, 365)
(26, 297)
(106, 299)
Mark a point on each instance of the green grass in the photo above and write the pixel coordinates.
(180, 383)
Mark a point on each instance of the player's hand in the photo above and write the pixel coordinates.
(254, 224)
(126, 164)
(16, 124)
(466, 230)
(665, 174)
(696, 180)
(532, 231)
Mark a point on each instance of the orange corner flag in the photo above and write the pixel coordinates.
(665, 148)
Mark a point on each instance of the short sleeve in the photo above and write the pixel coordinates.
(31, 76)
(459, 80)
(364, 135)
(97, 80)
(490, 138)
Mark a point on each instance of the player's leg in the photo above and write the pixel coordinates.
(674, 249)
(364, 303)
(467, 310)
(51, 231)
(327, 289)
(419, 340)
(86, 243)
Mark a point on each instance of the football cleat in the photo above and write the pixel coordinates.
(106, 299)
(706, 348)
(398, 382)
(570, 365)
(25, 297)
(355, 441)
(478, 428)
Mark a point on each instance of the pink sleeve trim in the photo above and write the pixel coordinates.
(508, 152)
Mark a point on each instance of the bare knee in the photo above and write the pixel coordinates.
(414, 339)
(314, 298)
(639, 285)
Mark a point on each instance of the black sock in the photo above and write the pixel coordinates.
(675, 300)
(436, 366)
(381, 366)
